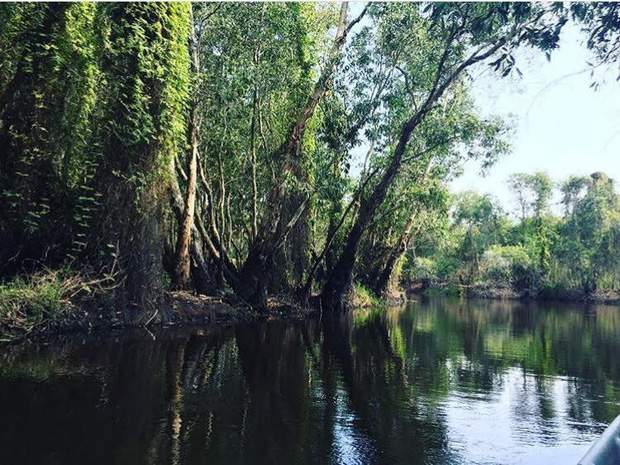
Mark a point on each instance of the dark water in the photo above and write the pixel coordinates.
(437, 382)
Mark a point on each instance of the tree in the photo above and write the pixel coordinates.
(145, 70)
(590, 234)
(533, 193)
(254, 275)
(181, 266)
(419, 194)
(454, 38)
(47, 97)
(601, 22)
(481, 219)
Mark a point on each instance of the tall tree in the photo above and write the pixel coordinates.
(455, 37)
(181, 266)
(279, 114)
(145, 67)
(48, 78)
(589, 245)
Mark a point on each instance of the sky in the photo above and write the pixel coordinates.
(561, 125)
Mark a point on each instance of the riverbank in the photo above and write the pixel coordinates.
(486, 290)
(96, 314)
(54, 305)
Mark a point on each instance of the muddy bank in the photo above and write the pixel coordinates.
(177, 309)
(486, 290)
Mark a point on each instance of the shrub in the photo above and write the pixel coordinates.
(525, 277)
(446, 267)
(495, 266)
(423, 269)
(511, 264)
(363, 298)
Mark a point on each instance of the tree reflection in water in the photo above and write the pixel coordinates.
(439, 381)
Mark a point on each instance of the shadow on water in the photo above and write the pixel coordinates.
(439, 381)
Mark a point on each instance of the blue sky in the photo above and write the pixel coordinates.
(562, 126)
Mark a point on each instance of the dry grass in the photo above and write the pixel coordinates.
(43, 298)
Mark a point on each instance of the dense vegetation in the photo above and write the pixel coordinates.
(216, 147)
(541, 254)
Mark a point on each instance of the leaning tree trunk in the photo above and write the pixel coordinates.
(201, 273)
(181, 268)
(382, 284)
(339, 283)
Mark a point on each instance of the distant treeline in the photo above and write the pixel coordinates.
(154, 146)
(541, 254)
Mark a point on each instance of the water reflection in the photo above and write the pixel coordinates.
(439, 382)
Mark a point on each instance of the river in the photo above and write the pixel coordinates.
(438, 381)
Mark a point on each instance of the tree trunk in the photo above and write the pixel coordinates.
(181, 270)
(182, 266)
(339, 282)
(131, 176)
(253, 162)
(203, 279)
(382, 284)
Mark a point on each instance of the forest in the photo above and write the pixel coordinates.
(542, 254)
(254, 150)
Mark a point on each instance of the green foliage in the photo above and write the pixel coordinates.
(144, 93)
(541, 254)
(503, 263)
(590, 233)
(601, 22)
(96, 100)
(48, 94)
(259, 65)
(365, 298)
(146, 71)
(533, 192)
(424, 269)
